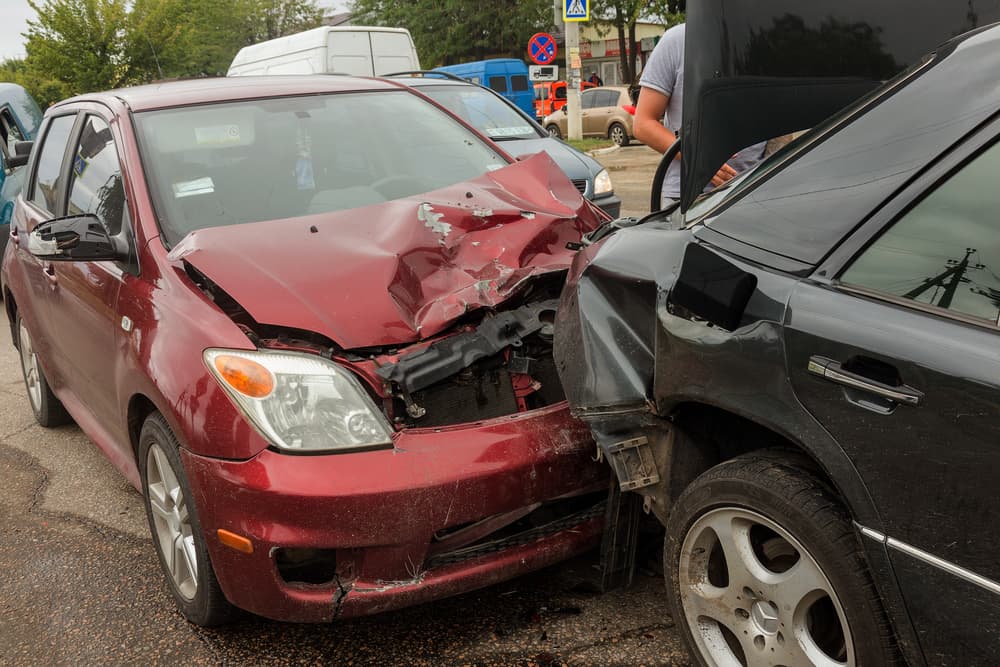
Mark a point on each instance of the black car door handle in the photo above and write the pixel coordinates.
(831, 370)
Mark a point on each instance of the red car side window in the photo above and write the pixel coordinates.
(96, 177)
(49, 168)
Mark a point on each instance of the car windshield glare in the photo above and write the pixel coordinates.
(271, 159)
(484, 111)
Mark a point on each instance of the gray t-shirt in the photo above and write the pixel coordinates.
(664, 72)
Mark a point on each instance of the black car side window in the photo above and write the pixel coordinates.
(96, 176)
(498, 83)
(945, 251)
(589, 99)
(50, 161)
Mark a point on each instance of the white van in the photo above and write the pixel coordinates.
(357, 50)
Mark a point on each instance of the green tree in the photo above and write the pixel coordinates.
(622, 16)
(80, 43)
(44, 90)
(75, 46)
(452, 31)
(269, 19)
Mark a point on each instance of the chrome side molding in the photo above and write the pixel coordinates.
(930, 559)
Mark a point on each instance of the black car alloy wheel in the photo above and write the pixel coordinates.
(765, 569)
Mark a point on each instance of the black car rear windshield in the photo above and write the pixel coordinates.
(268, 159)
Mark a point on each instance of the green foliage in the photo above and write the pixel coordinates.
(268, 19)
(453, 31)
(79, 42)
(44, 90)
(590, 143)
(75, 46)
(622, 15)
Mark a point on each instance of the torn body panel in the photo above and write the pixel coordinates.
(685, 360)
(401, 271)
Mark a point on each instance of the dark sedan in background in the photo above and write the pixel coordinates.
(799, 374)
(518, 133)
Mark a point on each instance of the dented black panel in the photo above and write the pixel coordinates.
(605, 327)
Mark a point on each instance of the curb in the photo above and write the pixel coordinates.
(604, 151)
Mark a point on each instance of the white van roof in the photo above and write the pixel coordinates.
(300, 41)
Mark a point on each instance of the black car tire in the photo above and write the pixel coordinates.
(47, 409)
(748, 493)
(618, 134)
(199, 598)
(553, 131)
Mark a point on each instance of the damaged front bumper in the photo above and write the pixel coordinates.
(448, 510)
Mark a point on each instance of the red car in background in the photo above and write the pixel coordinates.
(550, 96)
(317, 339)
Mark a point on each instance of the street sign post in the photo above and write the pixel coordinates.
(576, 10)
(543, 72)
(573, 12)
(542, 48)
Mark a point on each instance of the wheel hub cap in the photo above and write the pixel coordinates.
(765, 617)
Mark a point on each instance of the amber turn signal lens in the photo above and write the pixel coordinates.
(234, 541)
(245, 375)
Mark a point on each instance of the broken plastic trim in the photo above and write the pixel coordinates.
(448, 357)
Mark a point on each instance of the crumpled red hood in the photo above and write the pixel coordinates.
(396, 272)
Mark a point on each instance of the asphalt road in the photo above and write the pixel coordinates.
(80, 583)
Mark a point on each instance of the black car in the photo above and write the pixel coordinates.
(799, 375)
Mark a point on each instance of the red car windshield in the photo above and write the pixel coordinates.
(270, 159)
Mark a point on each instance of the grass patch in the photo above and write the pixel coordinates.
(589, 144)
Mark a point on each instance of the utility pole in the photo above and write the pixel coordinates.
(571, 29)
(953, 275)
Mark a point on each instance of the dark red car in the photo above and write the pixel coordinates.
(311, 320)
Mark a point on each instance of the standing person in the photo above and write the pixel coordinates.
(658, 114)
(594, 79)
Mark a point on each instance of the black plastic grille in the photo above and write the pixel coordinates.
(519, 539)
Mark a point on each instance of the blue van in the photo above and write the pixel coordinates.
(507, 76)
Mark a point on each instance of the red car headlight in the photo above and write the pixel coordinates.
(300, 402)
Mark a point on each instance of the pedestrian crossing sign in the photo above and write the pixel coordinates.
(576, 10)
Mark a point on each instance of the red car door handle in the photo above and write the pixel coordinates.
(834, 372)
(14, 237)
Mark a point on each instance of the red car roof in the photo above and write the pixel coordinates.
(221, 89)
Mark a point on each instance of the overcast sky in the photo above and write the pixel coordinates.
(14, 15)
